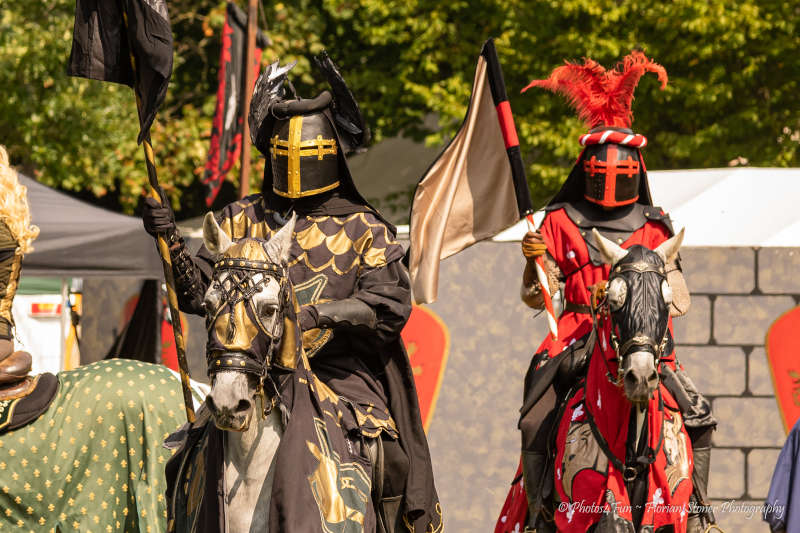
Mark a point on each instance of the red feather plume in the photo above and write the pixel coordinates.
(601, 97)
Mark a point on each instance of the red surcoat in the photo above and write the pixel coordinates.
(567, 246)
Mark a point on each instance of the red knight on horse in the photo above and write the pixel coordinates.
(605, 199)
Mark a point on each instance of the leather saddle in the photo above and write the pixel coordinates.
(23, 398)
(15, 381)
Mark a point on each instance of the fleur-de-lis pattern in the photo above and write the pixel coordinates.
(94, 461)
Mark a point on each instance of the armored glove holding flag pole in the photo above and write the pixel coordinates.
(130, 42)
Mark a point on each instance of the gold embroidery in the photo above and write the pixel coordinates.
(330, 263)
(287, 357)
(677, 468)
(341, 490)
(380, 424)
(310, 291)
(314, 339)
(324, 392)
(310, 237)
(375, 257)
(240, 225)
(247, 249)
(432, 528)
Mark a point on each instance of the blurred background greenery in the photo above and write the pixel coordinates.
(732, 98)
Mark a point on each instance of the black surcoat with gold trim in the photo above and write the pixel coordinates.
(337, 257)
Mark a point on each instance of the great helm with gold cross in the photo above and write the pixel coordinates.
(305, 140)
(303, 154)
(610, 166)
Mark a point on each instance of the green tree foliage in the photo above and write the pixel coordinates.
(732, 96)
(80, 135)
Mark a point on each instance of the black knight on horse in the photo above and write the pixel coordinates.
(345, 268)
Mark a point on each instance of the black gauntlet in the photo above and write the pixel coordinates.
(350, 312)
(188, 281)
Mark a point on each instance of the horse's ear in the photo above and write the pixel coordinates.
(280, 244)
(668, 249)
(611, 251)
(216, 241)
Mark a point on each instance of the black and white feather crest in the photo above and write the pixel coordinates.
(269, 89)
(350, 122)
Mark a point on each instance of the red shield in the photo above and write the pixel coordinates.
(427, 341)
(783, 345)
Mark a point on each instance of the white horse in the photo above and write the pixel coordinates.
(263, 393)
(237, 399)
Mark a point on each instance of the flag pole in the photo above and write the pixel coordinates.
(172, 296)
(166, 261)
(541, 275)
(252, 14)
(521, 191)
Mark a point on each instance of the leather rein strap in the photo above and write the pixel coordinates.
(630, 471)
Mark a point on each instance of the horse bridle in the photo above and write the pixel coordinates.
(639, 339)
(629, 471)
(246, 278)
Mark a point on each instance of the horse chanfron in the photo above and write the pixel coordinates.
(638, 296)
(244, 303)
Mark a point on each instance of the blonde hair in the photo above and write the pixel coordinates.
(14, 211)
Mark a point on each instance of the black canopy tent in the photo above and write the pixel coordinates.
(80, 240)
(112, 254)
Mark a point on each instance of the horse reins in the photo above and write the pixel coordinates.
(629, 473)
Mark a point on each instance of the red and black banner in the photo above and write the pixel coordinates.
(226, 132)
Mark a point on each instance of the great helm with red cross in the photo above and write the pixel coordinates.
(611, 161)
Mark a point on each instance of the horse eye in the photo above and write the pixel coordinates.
(265, 308)
(211, 299)
(666, 292)
(617, 293)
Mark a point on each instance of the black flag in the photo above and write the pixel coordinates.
(108, 34)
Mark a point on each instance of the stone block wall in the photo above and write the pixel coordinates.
(737, 293)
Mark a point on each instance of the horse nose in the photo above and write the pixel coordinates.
(640, 378)
(222, 404)
(652, 380)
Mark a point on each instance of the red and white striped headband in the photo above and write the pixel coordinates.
(614, 137)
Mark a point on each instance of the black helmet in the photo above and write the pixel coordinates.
(305, 139)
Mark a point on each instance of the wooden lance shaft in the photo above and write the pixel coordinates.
(163, 250)
(247, 93)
